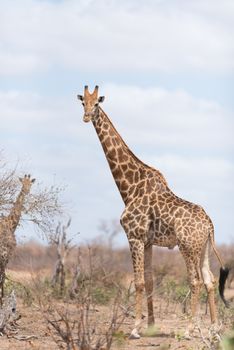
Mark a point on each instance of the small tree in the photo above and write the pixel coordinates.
(42, 206)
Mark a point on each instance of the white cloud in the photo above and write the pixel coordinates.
(30, 113)
(157, 118)
(118, 35)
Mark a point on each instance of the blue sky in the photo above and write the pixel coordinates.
(167, 71)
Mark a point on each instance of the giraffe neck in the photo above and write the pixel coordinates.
(15, 213)
(128, 171)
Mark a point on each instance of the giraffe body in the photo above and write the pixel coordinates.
(154, 215)
(8, 225)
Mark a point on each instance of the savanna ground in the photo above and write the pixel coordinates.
(95, 308)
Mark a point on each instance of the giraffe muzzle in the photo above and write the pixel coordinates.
(87, 117)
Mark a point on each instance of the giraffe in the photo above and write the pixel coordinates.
(154, 215)
(8, 225)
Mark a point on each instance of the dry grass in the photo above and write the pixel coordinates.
(101, 312)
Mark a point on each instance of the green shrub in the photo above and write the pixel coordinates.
(102, 295)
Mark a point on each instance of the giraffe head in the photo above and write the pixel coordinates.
(26, 183)
(90, 101)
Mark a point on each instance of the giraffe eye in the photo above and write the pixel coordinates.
(83, 103)
(96, 104)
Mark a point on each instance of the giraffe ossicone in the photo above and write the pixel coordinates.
(154, 215)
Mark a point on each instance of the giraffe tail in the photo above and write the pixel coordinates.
(222, 280)
(223, 275)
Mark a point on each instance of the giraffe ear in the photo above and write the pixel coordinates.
(80, 97)
(20, 179)
(101, 99)
(33, 180)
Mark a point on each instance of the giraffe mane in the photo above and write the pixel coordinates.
(131, 153)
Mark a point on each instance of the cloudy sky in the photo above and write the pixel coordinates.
(166, 69)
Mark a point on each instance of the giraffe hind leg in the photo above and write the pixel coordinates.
(195, 282)
(195, 285)
(209, 282)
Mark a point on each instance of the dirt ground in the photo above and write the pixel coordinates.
(33, 333)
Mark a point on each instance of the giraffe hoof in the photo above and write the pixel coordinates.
(134, 334)
(187, 335)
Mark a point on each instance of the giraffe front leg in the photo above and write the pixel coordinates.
(137, 251)
(149, 284)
